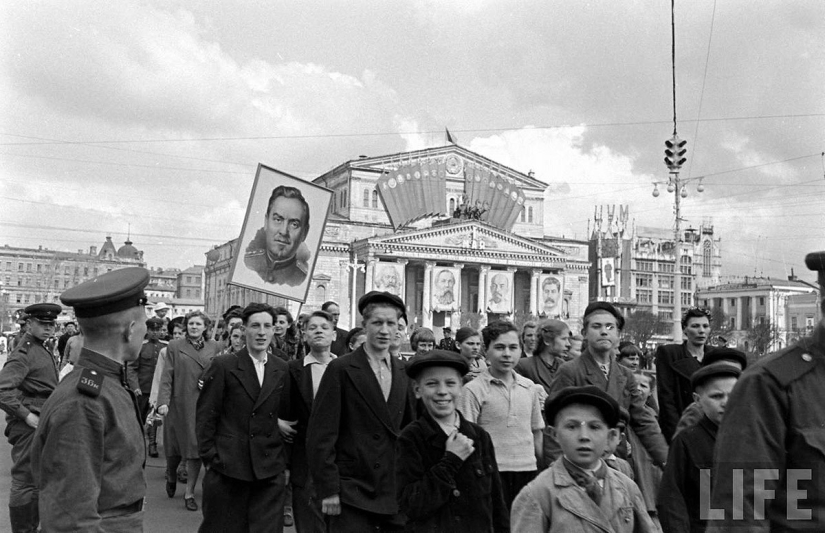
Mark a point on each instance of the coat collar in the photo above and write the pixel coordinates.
(710, 426)
(302, 374)
(101, 363)
(358, 368)
(573, 499)
(432, 432)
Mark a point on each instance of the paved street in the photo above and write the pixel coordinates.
(162, 514)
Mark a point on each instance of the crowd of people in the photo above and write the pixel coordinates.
(298, 421)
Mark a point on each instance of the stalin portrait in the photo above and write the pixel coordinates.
(278, 253)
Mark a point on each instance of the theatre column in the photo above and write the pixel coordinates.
(455, 318)
(483, 276)
(426, 305)
(368, 286)
(403, 263)
(534, 291)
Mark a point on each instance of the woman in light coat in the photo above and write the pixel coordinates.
(186, 360)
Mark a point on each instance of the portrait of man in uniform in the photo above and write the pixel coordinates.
(498, 300)
(278, 256)
(445, 292)
(550, 297)
(388, 278)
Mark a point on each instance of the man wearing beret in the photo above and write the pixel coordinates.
(141, 371)
(362, 403)
(26, 381)
(88, 453)
(774, 423)
(597, 366)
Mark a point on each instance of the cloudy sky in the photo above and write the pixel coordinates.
(155, 114)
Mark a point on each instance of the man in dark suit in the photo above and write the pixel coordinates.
(339, 345)
(363, 402)
(238, 437)
(597, 366)
(296, 406)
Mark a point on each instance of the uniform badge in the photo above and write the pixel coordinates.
(90, 382)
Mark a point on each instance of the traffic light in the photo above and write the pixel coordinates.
(675, 153)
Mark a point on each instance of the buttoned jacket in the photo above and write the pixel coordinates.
(237, 418)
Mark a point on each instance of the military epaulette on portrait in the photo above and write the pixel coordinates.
(90, 382)
(254, 253)
(790, 364)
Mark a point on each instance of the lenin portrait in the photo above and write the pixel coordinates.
(281, 235)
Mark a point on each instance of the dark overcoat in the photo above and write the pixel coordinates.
(674, 366)
(437, 491)
(237, 418)
(179, 390)
(353, 431)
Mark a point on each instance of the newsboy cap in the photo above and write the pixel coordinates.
(108, 293)
(594, 307)
(382, 297)
(437, 358)
(713, 370)
(723, 353)
(589, 395)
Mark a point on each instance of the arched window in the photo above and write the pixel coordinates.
(452, 206)
(530, 215)
(375, 199)
(321, 293)
(707, 251)
(366, 198)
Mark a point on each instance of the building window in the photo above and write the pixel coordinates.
(687, 283)
(86, 271)
(665, 282)
(706, 255)
(793, 323)
(57, 284)
(733, 302)
(644, 296)
(321, 293)
(530, 215)
(666, 267)
(20, 267)
(375, 199)
(685, 270)
(665, 297)
(762, 300)
(522, 215)
(644, 280)
(366, 198)
(66, 270)
(644, 266)
(188, 293)
(666, 316)
(733, 322)
(39, 267)
(28, 267)
(687, 299)
(452, 206)
(8, 265)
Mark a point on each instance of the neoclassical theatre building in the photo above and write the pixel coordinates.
(458, 236)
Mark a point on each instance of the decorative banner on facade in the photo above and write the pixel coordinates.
(550, 297)
(608, 269)
(500, 291)
(281, 235)
(446, 288)
(389, 277)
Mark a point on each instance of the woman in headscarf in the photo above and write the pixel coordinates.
(186, 360)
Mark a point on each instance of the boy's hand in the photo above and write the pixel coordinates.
(460, 445)
(287, 430)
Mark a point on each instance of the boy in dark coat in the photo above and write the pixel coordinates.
(692, 450)
(446, 470)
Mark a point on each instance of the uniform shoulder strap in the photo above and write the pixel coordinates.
(90, 382)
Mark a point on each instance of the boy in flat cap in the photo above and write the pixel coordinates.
(362, 403)
(26, 381)
(88, 452)
(579, 492)
(446, 469)
(597, 366)
(692, 450)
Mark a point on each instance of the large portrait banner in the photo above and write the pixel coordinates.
(389, 277)
(445, 288)
(500, 291)
(281, 235)
(551, 296)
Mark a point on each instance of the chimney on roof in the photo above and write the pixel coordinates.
(92, 250)
(792, 277)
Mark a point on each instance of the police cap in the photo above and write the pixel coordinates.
(385, 298)
(154, 323)
(108, 293)
(589, 395)
(437, 358)
(44, 312)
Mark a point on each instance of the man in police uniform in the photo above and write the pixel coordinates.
(141, 371)
(88, 452)
(26, 380)
(774, 420)
(278, 253)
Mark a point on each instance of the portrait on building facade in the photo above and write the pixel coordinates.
(551, 295)
(281, 235)
(608, 268)
(500, 292)
(389, 277)
(445, 289)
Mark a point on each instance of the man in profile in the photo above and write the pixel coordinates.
(444, 284)
(550, 290)
(499, 294)
(278, 253)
